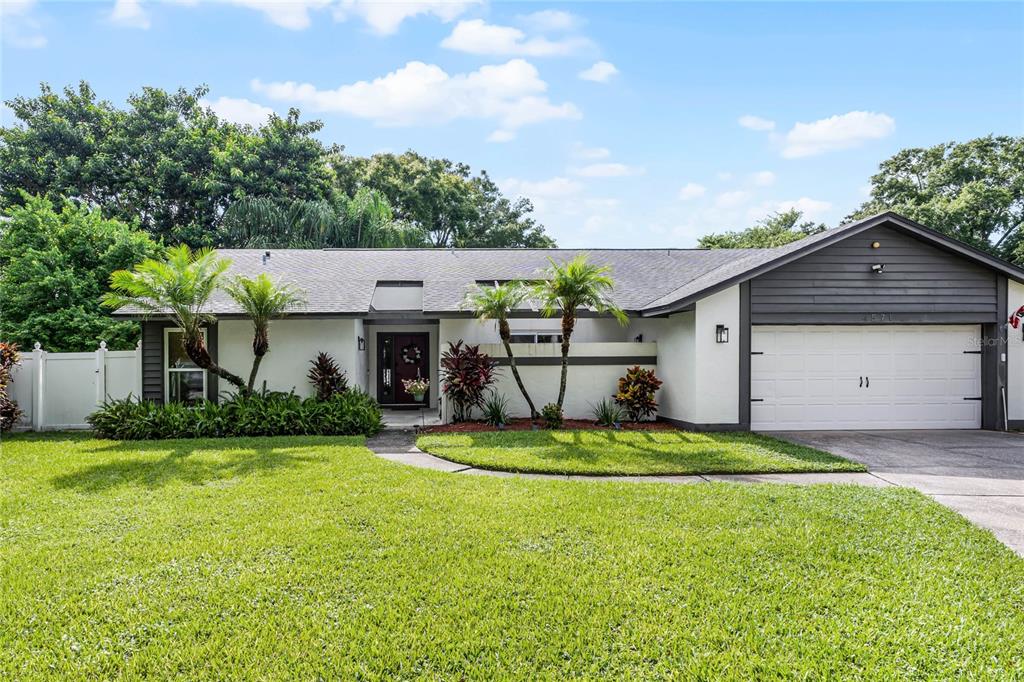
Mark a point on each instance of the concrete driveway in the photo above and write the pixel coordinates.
(978, 473)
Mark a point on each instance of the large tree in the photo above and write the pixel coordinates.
(444, 199)
(777, 229)
(973, 191)
(54, 266)
(165, 161)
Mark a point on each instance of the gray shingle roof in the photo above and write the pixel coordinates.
(343, 280)
(650, 281)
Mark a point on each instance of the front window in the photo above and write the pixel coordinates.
(185, 381)
(535, 337)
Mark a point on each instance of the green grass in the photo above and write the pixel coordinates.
(302, 558)
(630, 452)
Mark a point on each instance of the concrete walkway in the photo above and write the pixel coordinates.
(991, 502)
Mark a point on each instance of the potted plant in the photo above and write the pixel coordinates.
(417, 387)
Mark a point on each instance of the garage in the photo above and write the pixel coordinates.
(810, 377)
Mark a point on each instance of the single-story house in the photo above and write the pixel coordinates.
(878, 324)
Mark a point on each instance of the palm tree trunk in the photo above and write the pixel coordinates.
(195, 349)
(255, 370)
(260, 346)
(568, 324)
(505, 335)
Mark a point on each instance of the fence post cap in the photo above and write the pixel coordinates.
(103, 345)
(37, 346)
(138, 344)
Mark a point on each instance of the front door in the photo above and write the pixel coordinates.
(401, 356)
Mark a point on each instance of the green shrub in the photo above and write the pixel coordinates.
(636, 393)
(262, 414)
(495, 409)
(552, 415)
(607, 413)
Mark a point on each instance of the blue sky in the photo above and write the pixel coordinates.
(627, 124)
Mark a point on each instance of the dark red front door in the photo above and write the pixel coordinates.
(400, 357)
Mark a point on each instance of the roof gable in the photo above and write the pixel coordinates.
(760, 261)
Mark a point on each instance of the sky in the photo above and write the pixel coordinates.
(626, 124)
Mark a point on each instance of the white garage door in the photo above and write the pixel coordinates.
(865, 377)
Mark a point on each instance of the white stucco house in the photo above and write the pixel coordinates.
(880, 323)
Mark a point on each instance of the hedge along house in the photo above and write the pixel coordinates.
(877, 324)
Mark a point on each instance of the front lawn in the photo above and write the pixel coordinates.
(630, 452)
(306, 558)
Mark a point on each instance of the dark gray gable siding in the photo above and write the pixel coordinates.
(153, 360)
(921, 283)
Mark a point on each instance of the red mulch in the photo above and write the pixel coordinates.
(524, 425)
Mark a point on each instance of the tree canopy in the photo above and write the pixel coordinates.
(54, 266)
(453, 207)
(165, 162)
(170, 164)
(972, 191)
(777, 229)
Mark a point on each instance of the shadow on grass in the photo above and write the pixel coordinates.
(680, 451)
(154, 464)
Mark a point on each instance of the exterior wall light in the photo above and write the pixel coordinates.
(721, 333)
(875, 245)
(877, 268)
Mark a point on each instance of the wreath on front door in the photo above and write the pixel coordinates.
(411, 354)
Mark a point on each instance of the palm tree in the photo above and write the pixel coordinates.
(497, 303)
(179, 286)
(262, 300)
(572, 285)
(362, 221)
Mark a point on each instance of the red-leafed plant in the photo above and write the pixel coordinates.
(466, 374)
(326, 376)
(636, 393)
(9, 410)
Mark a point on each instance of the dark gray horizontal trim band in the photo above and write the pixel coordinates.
(582, 360)
(869, 318)
(1016, 424)
(690, 426)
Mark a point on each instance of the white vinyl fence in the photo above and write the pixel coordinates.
(58, 391)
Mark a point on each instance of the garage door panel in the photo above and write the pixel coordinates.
(913, 377)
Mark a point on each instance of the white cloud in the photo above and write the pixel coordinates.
(239, 110)
(129, 13)
(836, 132)
(812, 209)
(382, 18)
(501, 136)
(763, 178)
(756, 123)
(293, 15)
(732, 199)
(724, 176)
(581, 151)
(600, 72)
(550, 20)
(476, 36)
(546, 195)
(607, 170)
(692, 190)
(385, 18)
(20, 28)
(511, 94)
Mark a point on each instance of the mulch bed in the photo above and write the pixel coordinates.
(525, 425)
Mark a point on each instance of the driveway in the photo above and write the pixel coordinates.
(978, 473)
